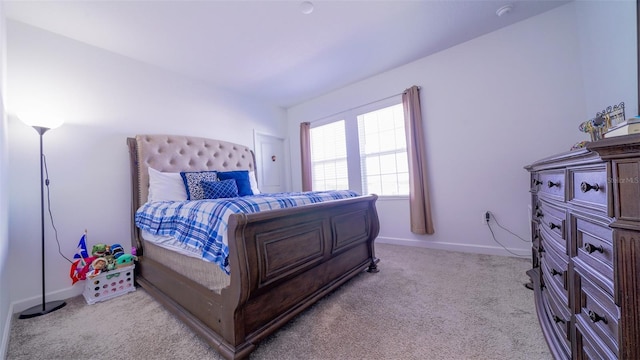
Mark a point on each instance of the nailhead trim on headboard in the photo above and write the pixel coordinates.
(173, 153)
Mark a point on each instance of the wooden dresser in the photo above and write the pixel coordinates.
(585, 228)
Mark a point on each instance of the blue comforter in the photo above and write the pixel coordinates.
(201, 225)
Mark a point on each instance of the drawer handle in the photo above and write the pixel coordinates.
(584, 186)
(555, 272)
(595, 317)
(554, 226)
(536, 182)
(557, 319)
(551, 184)
(590, 248)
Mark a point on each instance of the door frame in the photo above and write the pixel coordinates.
(286, 177)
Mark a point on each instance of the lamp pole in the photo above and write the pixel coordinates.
(45, 308)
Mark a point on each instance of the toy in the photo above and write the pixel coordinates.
(97, 266)
(125, 260)
(111, 262)
(100, 250)
(117, 250)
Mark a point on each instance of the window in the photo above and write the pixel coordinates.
(383, 152)
(329, 157)
(363, 150)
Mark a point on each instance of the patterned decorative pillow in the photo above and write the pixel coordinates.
(242, 180)
(219, 189)
(192, 180)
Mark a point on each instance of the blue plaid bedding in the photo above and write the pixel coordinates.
(200, 226)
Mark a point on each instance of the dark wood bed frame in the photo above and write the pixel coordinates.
(282, 262)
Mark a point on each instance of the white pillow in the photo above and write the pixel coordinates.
(254, 183)
(166, 186)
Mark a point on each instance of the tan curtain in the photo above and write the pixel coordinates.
(305, 155)
(420, 204)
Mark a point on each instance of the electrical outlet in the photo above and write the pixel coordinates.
(487, 217)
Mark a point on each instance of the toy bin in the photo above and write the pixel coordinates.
(109, 284)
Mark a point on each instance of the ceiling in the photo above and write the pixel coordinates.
(269, 49)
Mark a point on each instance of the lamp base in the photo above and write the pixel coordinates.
(38, 309)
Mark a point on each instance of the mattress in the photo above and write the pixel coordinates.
(186, 263)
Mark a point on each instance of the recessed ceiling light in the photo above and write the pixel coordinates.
(504, 10)
(306, 7)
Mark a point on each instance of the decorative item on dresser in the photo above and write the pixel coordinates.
(585, 230)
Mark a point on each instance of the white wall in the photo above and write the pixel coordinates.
(608, 54)
(5, 300)
(103, 98)
(490, 107)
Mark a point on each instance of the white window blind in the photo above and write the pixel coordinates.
(329, 157)
(383, 152)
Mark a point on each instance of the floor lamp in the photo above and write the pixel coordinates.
(45, 307)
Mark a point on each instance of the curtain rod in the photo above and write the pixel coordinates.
(359, 106)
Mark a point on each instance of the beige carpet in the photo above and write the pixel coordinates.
(424, 304)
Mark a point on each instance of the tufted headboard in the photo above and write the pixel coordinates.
(174, 153)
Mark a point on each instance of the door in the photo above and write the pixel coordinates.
(270, 163)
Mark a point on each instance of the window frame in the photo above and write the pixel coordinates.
(319, 124)
(350, 117)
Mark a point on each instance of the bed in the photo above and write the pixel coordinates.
(280, 261)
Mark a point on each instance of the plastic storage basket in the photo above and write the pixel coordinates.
(109, 284)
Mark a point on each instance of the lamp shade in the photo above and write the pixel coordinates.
(41, 120)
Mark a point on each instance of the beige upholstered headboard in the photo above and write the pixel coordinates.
(172, 153)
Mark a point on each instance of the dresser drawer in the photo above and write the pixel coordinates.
(552, 184)
(535, 182)
(589, 187)
(598, 312)
(535, 245)
(535, 210)
(559, 321)
(555, 275)
(588, 344)
(535, 235)
(592, 247)
(552, 221)
(550, 242)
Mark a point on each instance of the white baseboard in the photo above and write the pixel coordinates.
(4, 344)
(468, 248)
(67, 293)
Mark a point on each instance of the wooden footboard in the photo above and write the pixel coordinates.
(283, 261)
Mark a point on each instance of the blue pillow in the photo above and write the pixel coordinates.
(219, 189)
(192, 180)
(242, 180)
